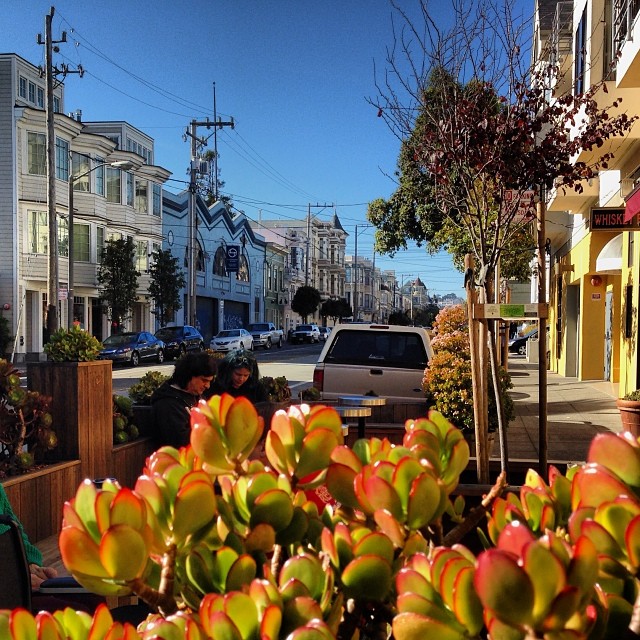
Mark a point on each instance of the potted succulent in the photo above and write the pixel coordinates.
(629, 407)
(124, 421)
(73, 370)
(140, 395)
(222, 546)
(26, 429)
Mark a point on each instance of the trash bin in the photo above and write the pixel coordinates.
(532, 350)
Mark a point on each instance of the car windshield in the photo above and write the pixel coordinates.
(258, 327)
(120, 339)
(234, 333)
(168, 332)
(305, 327)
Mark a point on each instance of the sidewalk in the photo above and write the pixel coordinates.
(576, 412)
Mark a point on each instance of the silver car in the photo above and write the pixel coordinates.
(230, 339)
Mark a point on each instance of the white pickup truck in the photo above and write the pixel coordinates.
(265, 335)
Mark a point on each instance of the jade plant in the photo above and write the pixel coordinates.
(26, 432)
(72, 345)
(124, 426)
(223, 545)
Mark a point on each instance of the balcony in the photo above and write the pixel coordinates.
(567, 199)
(626, 37)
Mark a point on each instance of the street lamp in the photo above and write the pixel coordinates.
(124, 165)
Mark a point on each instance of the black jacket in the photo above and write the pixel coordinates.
(170, 409)
(254, 392)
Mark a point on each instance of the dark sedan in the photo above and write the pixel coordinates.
(132, 347)
(179, 340)
(519, 343)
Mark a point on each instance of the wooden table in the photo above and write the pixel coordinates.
(365, 402)
(353, 411)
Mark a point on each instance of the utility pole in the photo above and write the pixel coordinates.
(192, 132)
(50, 72)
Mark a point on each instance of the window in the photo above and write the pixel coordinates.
(113, 185)
(142, 200)
(22, 87)
(56, 104)
(80, 164)
(580, 54)
(129, 189)
(36, 154)
(219, 263)
(142, 259)
(199, 257)
(243, 270)
(99, 243)
(62, 159)
(38, 232)
(99, 173)
(40, 101)
(157, 200)
(81, 242)
(32, 92)
(63, 237)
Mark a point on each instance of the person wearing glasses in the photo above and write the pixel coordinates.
(172, 401)
(238, 375)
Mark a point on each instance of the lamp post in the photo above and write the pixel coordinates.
(118, 164)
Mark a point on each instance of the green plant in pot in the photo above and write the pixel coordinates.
(141, 392)
(72, 345)
(277, 389)
(26, 432)
(629, 407)
(223, 546)
(124, 422)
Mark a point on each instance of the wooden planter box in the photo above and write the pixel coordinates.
(82, 410)
(37, 497)
(128, 460)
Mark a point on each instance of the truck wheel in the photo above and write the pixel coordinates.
(268, 344)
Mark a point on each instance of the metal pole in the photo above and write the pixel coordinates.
(355, 279)
(71, 260)
(542, 337)
(191, 298)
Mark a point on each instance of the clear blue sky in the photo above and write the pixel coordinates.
(293, 74)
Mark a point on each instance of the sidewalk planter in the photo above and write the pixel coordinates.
(82, 410)
(128, 460)
(630, 415)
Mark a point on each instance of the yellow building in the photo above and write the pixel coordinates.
(594, 261)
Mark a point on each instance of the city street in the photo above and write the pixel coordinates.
(295, 362)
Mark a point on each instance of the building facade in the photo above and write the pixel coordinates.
(594, 261)
(103, 208)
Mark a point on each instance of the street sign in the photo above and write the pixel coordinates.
(510, 311)
(525, 202)
(63, 294)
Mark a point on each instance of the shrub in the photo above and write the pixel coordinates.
(72, 345)
(447, 381)
(26, 432)
(277, 389)
(310, 394)
(141, 391)
(633, 396)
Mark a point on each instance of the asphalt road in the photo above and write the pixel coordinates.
(294, 362)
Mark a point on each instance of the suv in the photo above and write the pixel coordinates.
(385, 360)
(306, 333)
(179, 340)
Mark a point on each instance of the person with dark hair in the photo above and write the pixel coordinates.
(172, 401)
(238, 375)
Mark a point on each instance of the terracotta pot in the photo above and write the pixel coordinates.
(630, 415)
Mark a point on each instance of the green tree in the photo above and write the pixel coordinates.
(210, 184)
(336, 309)
(166, 281)
(118, 281)
(305, 301)
(400, 317)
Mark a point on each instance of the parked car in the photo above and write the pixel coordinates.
(306, 333)
(519, 343)
(324, 333)
(230, 339)
(385, 360)
(132, 347)
(179, 340)
(265, 335)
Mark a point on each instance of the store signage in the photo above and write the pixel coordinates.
(612, 219)
(232, 258)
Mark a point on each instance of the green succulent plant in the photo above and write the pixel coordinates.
(222, 545)
(277, 389)
(72, 345)
(141, 391)
(634, 396)
(124, 427)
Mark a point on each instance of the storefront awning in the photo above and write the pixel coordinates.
(632, 204)
(610, 257)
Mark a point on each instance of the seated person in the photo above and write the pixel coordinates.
(172, 401)
(238, 375)
(41, 602)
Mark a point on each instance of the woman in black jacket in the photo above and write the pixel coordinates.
(238, 375)
(172, 401)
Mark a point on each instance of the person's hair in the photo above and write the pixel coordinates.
(237, 359)
(193, 365)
